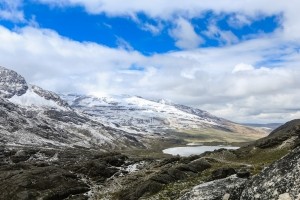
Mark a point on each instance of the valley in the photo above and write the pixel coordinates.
(71, 146)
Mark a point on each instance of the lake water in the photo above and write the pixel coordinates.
(194, 150)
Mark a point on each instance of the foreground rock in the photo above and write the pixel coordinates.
(31, 173)
(168, 172)
(11, 83)
(44, 182)
(218, 189)
(281, 179)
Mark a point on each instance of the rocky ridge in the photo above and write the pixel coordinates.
(137, 115)
(11, 83)
(279, 180)
(32, 116)
(50, 149)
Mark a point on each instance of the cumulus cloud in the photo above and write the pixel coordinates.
(225, 81)
(154, 29)
(185, 35)
(45, 57)
(242, 67)
(224, 37)
(11, 10)
(123, 44)
(239, 20)
(247, 81)
(165, 9)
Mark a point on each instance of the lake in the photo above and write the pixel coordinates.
(194, 150)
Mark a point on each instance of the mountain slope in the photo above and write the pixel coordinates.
(141, 116)
(58, 147)
(11, 83)
(278, 178)
(36, 117)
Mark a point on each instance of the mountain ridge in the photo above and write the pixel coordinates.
(69, 147)
(136, 120)
(135, 114)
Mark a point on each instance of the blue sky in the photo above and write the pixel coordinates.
(113, 31)
(227, 57)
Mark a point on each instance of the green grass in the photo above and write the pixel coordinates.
(155, 149)
(261, 158)
(177, 189)
(213, 135)
(257, 159)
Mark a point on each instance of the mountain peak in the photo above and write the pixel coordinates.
(11, 83)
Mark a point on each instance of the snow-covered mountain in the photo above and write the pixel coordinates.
(30, 115)
(11, 83)
(137, 115)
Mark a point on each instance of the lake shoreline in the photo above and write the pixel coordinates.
(194, 149)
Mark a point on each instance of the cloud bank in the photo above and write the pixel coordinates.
(255, 80)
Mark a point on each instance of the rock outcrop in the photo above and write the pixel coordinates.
(11, 83)
(34, 173)
(30, 115)
(279, 180)
(219, 189)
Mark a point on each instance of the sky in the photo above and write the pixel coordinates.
(239, 60)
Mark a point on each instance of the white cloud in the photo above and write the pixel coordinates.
(123, 44)
(11, 10)
(242, 67)
(202, 77)
(185, 35)
(224, 37)
(58, 63)
(239, 20)
(234, 81)
(154, 29)
(165, 9)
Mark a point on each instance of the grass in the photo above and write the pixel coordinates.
(260, 158)
(177, 189)
(154, 151)
(257, 159)
(212, 135)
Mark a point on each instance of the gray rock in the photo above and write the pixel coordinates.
(243, 173)
(222, 173)
(49, 96)
(279, 180)
(228, 188)
(11, 83)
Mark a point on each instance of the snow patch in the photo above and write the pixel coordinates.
(30, 98)
(134, 167)
(136, 115)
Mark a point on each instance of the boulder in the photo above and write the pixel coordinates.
(222, 173)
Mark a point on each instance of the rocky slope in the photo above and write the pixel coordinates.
(71, 173)
(61, 128)
(141, 116)
(61, 148)
(279, 180)
(11, 83)
(221, 174)
(32, 116)
(250, 172)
